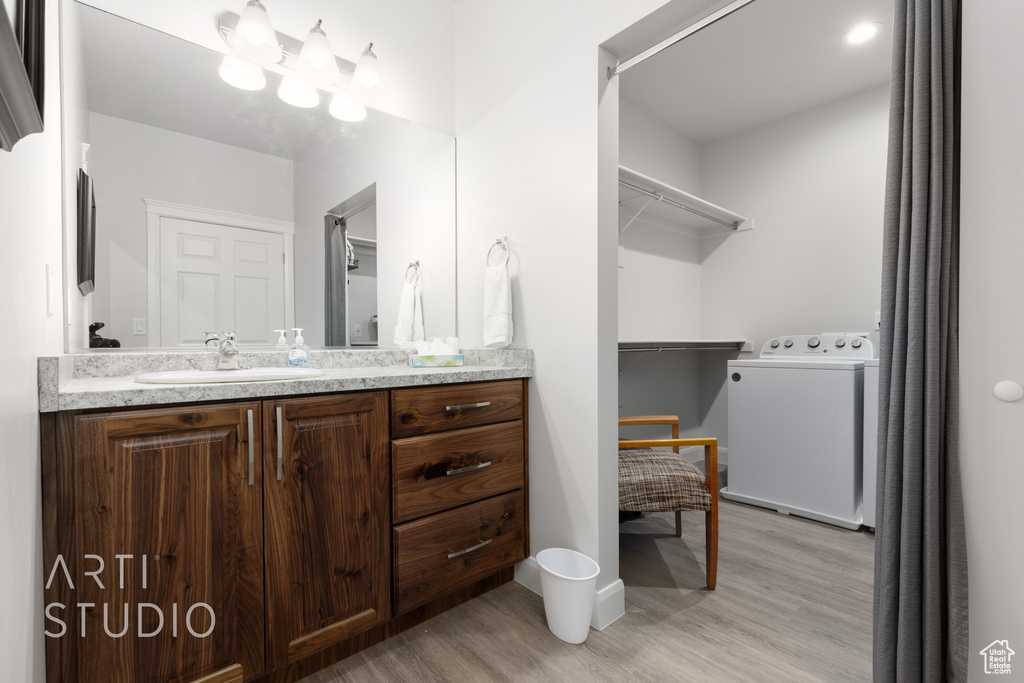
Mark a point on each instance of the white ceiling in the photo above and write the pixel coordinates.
(769, 60)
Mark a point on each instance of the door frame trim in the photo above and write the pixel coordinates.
(157, 209)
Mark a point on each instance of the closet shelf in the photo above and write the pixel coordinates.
(678, 210)
(685, 345)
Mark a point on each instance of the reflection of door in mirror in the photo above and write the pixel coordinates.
(211, 270)
(215, 278)
(350, 277)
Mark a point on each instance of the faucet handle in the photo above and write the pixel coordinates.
(210, 337)
(229, 335)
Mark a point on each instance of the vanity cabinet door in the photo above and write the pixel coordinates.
(327, 521)
(168, 570)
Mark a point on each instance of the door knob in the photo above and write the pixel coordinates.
(1008, 391)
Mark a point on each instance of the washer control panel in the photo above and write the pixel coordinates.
(838, 346)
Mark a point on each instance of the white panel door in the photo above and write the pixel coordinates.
(214, 278)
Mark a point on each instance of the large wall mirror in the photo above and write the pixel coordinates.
(220, 208)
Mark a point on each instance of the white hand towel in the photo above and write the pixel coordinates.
(406, 314)
(497, 307)
(417, 316)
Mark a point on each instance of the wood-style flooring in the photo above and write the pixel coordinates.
(793, 603)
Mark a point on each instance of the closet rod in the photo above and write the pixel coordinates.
(661, 198)
(672, 40)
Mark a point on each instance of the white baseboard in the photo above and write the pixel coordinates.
(609, 602)
(696, 454)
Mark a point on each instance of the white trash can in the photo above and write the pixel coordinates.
(568, 580)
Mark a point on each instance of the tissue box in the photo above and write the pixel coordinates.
(449, 361)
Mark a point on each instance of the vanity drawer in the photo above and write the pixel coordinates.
(437, 554)
(436, 409)
(435, 472)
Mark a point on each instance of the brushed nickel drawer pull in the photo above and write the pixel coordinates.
(280, 446)
(252, 449)
(469, 550)
(484, 404)
(478, 466)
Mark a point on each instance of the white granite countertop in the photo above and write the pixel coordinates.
(106, 380)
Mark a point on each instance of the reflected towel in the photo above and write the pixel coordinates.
(497, 307)
(410, 316)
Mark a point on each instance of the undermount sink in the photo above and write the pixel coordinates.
(219, 376)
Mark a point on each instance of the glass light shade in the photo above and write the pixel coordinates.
(316, 60)
(862, 33)
(298, 93)
(345, 108)
(242, 74)
(254, 37)
(367, 73)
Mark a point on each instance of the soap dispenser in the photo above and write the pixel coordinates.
(282, 341)
(298, 355)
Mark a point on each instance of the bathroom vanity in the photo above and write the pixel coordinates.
(272, 528)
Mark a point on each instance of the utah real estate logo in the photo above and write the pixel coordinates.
(997, 657)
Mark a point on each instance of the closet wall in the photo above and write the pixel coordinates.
(812, 183)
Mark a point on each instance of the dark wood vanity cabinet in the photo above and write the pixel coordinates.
(296, 524)
(326, 512)
(157, 519)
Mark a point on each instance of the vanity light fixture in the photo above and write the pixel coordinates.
(316, 60)
(862, 33)
(304, 67)
(254, 37)
(367, 72)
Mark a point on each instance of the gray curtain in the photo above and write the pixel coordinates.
(920, 610)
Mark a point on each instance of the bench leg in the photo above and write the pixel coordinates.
(679, 523)
(711, 542)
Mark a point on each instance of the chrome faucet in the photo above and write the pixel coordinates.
(227, 349)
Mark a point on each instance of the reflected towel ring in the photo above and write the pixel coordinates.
(415, 268)
(500, 242)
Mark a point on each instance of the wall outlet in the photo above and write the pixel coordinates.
(138, 326)
(358, 330)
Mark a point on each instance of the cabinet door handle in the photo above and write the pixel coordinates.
(478, 466)
(468, 405)
(469, 550)
(280, 446)
(252, 449)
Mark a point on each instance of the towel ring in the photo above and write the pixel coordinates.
(415, 268)
(500, 242)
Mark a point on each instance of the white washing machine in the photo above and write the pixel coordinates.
(796, 427)
(870, 439)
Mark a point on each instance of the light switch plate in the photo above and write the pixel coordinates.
(138, 326)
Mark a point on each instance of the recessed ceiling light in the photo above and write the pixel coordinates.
(862, 33)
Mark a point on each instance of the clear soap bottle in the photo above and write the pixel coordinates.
(298, 355)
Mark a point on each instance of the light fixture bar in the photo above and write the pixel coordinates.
(227, 24)
(672, 40)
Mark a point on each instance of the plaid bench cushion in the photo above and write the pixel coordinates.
(660, 481)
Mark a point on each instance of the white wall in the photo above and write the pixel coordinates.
(991, 324)
(30, 222)
(655, 149)
(529, 168)
(131, 162)
(413, 39)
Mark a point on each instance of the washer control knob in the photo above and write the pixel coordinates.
(813, 343)
(840, 343)
(775, 343)
(788, 343)
(856, 343)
